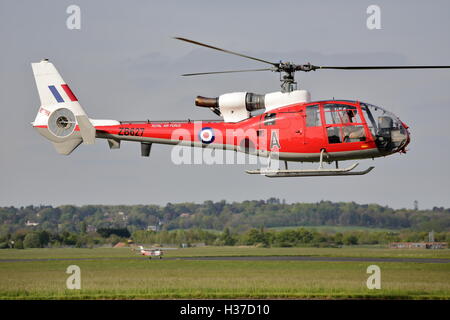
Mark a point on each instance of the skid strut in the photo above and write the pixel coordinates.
(312, 172)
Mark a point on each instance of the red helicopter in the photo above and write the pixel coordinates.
(285, 125)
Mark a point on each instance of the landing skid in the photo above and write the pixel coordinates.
(311, 172)
(270, 173)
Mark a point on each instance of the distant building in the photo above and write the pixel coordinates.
(418, 245)
(198, 244)
(152, 228)
(91, 229)
(185, 215)
(31, 224)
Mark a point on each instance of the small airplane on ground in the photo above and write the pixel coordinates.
(285, 125)
(153, 252)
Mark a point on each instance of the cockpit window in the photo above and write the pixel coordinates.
(313, 116)
(371, 123)
(341, 114)
(377, 118)
(343, 123)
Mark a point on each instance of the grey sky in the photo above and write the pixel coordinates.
(124, 65)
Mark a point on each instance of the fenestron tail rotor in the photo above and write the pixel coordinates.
(288, 69)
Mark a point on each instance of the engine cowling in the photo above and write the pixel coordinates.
(236, 106)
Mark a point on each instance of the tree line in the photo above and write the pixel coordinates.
(237, 216)
(283, 238)
(295, 237)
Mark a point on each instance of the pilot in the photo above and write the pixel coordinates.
(352, 133)
(356, 134)
(350, 116)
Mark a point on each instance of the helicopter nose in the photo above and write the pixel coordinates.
(393, 134)
(400, 137)
(407, 138)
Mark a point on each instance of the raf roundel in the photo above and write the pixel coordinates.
(206, 135)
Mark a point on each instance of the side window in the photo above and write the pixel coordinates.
(334, 135)
(353, 133)
(343, 123)
(269, 119)
(313, 116)
(341, 114)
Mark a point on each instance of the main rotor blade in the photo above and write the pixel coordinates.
(231, 71)
(380, 67)
(227, 51)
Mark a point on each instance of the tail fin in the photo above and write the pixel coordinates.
(60, 118)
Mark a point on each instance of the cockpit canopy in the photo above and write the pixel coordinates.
(345, 121)
(390, 133)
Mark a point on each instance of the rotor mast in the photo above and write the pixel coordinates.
(287, 74)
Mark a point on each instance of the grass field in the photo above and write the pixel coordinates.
(122, 276)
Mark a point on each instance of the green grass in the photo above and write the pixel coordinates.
(224, 279)
(144, 279)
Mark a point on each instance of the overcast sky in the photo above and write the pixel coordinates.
(124, 65)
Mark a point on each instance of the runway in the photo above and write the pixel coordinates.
(316, 258)
(248, 258)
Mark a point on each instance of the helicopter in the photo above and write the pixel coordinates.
(285, 125)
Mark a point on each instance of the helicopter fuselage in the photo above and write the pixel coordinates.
(342, 129)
